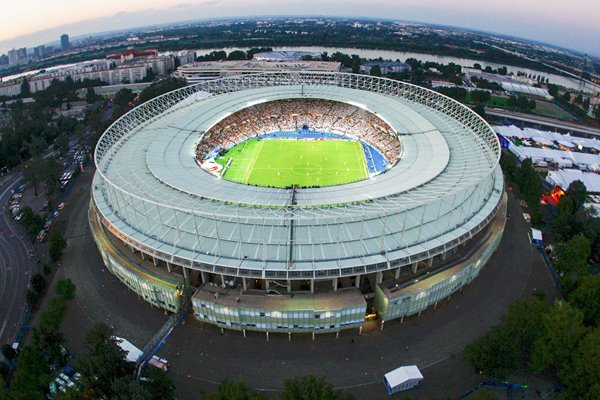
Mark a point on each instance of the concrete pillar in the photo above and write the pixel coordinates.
(289, 336)
(244, 332)
(415, 266)
(169, 267)
(435, 306)
(313, 336)
(430, 262)
(360, 330)
(397, 273)
(289, 286)
(142, 255)
(379, 277)
(337, 334)
(402, 319)
(204, 276)
(382, 323)
(267, 285)
(312, 287)
(444, 255)
(244, 284)
(132, 249)
(155, 261)
(335, 284)
(186, 276)
(222, 280)
(267, 336)
(357, 283)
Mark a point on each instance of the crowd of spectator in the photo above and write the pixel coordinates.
(296, 114)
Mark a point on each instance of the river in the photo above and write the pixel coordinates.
(403, 55)
(373, 54)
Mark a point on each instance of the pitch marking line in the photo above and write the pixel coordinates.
(253, 161)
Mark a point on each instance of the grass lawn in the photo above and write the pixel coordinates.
(283, 163)
(494, 101)
(551, 110)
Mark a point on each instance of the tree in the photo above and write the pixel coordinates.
(572, 261)
(160, 386)
(125, 388)
(479, 110)
(38, 283)
(46, 337)
(582, 376)
(578, 192)
(523, 325)
(150, 75)
(564, 223)
(8, 352)
(480, 96)
(31, 221)
(65, 289)
(311, 388)
(457, 93)
(31, 297)
(90, 95)
(160, 88)
(57, 244)
(232, 391)
(52, 181)
(484, 394)
(32, 376)
(375, 70)
(25, 91)
(586, 297)
(236, 55)
(103, 362)
(251, 52)
(492, 354)
(562, 330)
(34, 173)
(121, 102)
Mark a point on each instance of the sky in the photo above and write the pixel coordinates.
(33, 22)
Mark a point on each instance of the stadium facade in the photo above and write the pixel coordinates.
(297, 260)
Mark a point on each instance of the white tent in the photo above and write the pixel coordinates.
(543, 141)
(564, 177)
(402, 378)
(565, 143)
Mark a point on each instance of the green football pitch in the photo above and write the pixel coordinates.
(284, 163)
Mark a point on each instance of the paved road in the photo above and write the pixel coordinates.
(200, 356)
(16, 266)
(544, 121)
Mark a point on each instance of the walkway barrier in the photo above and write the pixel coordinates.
(159, 339)
(510, 388)
(555, 277)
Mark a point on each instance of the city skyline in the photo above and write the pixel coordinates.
(544, 21)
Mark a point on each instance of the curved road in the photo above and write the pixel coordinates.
(200, 356)
(16, 266)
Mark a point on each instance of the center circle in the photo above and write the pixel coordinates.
(307, 169)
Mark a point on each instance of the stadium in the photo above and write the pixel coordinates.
(297, 201)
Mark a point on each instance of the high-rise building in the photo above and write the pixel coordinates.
(39, 51)
(64, 41)
(12, 56)
(22, 53)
